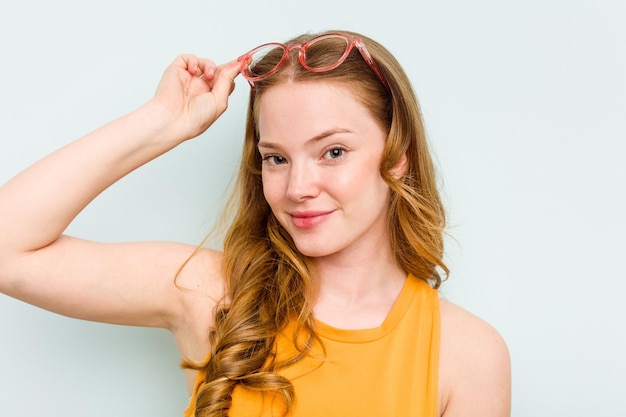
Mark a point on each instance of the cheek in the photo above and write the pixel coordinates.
(360, 178)
(367, 189)
(271, 189)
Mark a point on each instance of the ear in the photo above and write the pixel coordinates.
(400, 168)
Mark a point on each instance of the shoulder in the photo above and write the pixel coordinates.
(474, 371)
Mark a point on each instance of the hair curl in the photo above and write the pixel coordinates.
(268, 282)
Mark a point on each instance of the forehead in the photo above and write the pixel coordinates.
(306, 108)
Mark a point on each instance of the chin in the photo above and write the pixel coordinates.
(315, 251)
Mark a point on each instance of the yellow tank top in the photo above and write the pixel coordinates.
(390, 370)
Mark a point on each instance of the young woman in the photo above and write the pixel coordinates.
(324, 300)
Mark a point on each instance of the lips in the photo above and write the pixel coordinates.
(309, 219)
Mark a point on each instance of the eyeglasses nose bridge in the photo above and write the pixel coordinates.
(301, 47)
(294, 45)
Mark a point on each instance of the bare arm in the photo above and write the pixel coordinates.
(475, 373)
(121, 283)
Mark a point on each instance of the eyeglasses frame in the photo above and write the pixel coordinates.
(351, 42)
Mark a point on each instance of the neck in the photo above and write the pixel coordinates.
(357, 292)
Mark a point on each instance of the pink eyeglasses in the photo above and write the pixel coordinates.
(327, 43)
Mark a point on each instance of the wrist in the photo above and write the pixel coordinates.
(161, 122)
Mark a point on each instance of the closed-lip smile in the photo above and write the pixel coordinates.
(309, 219)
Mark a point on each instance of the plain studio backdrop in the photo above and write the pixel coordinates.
(524, 103)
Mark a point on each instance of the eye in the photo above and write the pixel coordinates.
(273, 159)
(335, 152)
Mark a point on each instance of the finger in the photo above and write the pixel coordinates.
(196, 66)
(205, 68)
(190, 63)
(225, 75)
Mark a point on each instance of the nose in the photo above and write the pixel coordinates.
(303, 182)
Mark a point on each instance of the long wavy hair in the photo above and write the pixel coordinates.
(268, 282)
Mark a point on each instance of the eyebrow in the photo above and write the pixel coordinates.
(314, 139)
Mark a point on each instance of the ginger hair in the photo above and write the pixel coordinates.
(268, 282)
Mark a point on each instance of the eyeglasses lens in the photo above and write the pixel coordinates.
(264, 59)
(320, 54)
(325, 53)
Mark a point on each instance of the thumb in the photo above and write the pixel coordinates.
(224, 80)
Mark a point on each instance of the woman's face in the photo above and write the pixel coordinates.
(321, 153)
